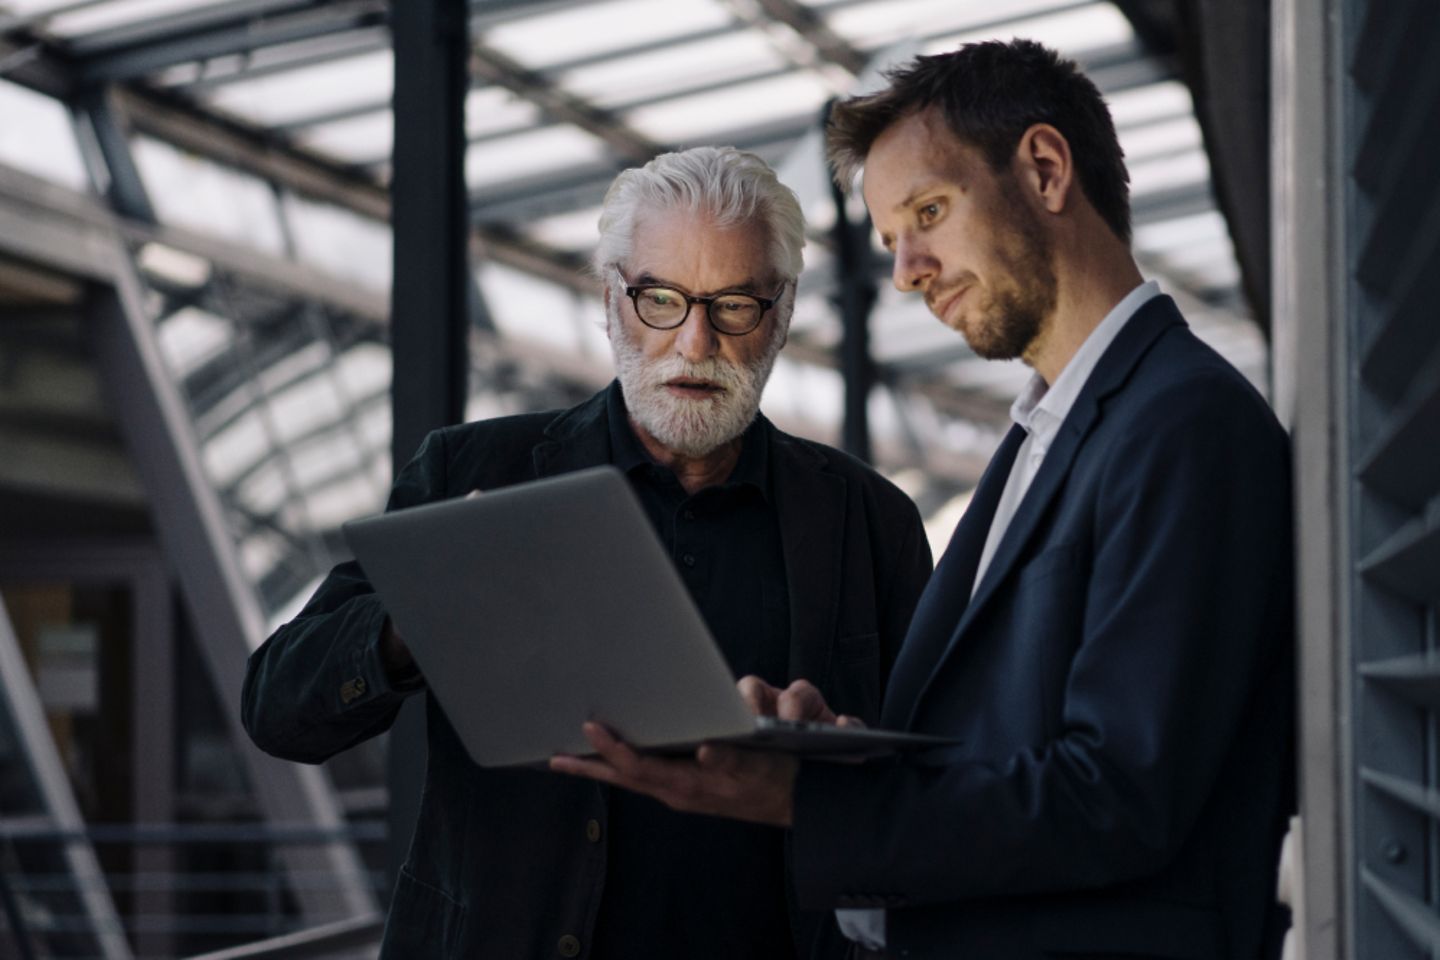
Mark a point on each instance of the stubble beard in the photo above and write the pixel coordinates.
(1023, 292)
(691, 427)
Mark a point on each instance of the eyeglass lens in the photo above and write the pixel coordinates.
(731, 312)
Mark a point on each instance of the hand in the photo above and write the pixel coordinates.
(395, 656)
(800, 701)
(721, 781)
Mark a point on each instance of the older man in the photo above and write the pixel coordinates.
(803, 562)
(1110, 630)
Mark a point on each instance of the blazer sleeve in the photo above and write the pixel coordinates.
(317, 685)
(1182, 614)
(907, 571)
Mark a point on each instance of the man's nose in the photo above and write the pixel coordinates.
(914, 266)
(695, 339)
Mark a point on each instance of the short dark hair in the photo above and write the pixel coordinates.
(990, 93)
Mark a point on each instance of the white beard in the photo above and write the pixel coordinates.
(690, 427)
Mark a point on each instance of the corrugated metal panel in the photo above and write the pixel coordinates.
(1393, 208)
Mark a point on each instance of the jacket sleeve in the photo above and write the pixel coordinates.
(1184, 613)
(906, 573)
(317, 685)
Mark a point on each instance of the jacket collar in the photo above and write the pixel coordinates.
(1110, 374)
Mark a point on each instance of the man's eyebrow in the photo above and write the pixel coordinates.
(914, 195)
(646, 278)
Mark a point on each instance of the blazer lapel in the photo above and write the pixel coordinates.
(576, 439)
(948, 593)
(1114, 368)
(810, 503)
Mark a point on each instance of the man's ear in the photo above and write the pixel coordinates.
(1045, 166)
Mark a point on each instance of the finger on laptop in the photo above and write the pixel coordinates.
(758, 695)
(803, 701)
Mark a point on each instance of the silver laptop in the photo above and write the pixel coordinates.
(534, 608)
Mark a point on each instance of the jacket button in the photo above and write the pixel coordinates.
(569, 946)
(592, 831)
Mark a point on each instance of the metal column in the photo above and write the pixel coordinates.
(191, 527)
(429, 297)
(854, 297)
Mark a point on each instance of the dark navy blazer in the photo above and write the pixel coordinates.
(1122, 682)
(502, 864)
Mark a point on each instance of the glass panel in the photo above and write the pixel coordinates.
(1072, 32)
(1155, 101)
(310, 91)
(1170, 173)
(37, 137)
(575, 232)
(700, 117)
(362, 140)
(675, 66)
(117, 14)
(341, 242)
(592, 29)
(494, 109)
(208, 198)
(528, 155)
(878, 24)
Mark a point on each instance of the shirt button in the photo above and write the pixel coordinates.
(688, 559)
(592, 831)
(689, 514)
(569, 946)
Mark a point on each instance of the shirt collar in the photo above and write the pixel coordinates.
(628, 453)
(1041, 408)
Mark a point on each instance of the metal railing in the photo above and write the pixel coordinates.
(184, 889)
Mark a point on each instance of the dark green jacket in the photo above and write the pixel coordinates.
(500, 864)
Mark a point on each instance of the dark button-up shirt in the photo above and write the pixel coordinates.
(714, 887)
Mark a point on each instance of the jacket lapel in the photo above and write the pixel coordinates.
(1114, 368)
(948, 592)
(810, 504)
(576, 439)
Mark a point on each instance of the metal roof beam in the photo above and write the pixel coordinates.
(826, 46)
(138, 60)
(502, 71)
(312, 53)
(165, 27)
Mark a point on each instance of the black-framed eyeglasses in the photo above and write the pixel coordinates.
(665, 308)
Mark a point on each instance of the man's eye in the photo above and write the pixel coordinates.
(661, 298)
(929, 212)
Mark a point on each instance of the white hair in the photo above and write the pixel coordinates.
(731, 186)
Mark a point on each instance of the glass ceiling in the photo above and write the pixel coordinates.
(651, 74)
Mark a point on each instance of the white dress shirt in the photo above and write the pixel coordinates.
(1040, 409)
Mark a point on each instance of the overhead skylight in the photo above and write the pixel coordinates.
(1148, 103)
(695, 119)
(882, 22)
(490, 110)
(341, 242)
(100, 16)
(37, 137)
(590, 30)
(575, 231)
(1168, 173)
(191, 336)
(208, 198)
(667, 67)
(1071, 31)
(311, 91)
(364, 140)
(1162, 138)
(530, 154)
